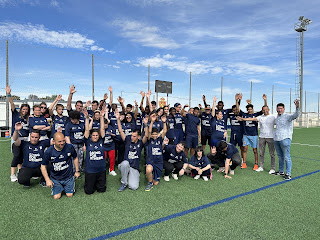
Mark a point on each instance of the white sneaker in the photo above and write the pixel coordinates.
(113, 173)
(196, 177)
(221, 169)
(260, 169)
(175, 176)
(231, 172)
(272, 171)
(35, 178)
(166, 178)
(205, 178)
(13, 178)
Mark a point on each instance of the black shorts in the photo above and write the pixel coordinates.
(205, 140)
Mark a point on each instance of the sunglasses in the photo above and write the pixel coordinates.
(44, 107)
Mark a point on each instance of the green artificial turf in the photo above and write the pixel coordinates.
(286, 211)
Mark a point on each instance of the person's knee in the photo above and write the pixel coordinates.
(134, 186)
(149, 168)
(88, 191)
(57, 196)
(69, 194)
(255, 150)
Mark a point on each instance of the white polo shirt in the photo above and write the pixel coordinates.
(266, 125)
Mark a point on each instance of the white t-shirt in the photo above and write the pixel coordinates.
(266, 125)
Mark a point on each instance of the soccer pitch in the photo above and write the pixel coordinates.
(251, 205)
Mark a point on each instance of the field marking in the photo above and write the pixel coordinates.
(306, 158)
(304, 144)
(179, 214)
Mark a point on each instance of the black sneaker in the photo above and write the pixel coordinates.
(278, 173)
(287, 177)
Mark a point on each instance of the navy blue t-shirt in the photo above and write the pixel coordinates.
(34, 121)
(218, 128)
(108, 139)
(250, 128)
(90, 113)
(206, 129)
(191, 125)
(59, 122)
(171, 122)
(95, 160)
(178, 119)
(200, 163)
(61, 162)
(113, 119)
(132, 152)
(236, 125)
(96, 124)
(33, 154)
(24, 132)
(138, 123)
(154, 151)
(230, 150)
(75, 132)
(171, 155)
(225, 113)
(128, 128)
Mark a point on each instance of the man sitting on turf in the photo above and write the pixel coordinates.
(129, 167)
(223, 154)
(62, 156)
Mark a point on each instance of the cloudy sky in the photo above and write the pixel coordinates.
(243, 41)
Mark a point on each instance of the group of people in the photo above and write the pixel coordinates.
(57, 148)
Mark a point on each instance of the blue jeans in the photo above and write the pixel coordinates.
(283, 151)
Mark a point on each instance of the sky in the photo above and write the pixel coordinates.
(51, 43)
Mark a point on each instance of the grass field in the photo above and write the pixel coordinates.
(286, 211)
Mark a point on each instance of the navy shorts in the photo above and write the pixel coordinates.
(205, 139)
(191, 141)
(179, 134)
(157, 171)
(236, 138)
(63, 185)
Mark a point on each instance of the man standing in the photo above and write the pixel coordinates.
(283, 137)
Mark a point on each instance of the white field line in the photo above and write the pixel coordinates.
(304, 144)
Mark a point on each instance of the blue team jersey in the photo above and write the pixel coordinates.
(108, 139)
(95, 160)
(35, 121)
(82, 117)
(191, 125)
(154, 151)
(171, 155)
(59, 122)
(236, 125)
(90, 113)
(225, 113)
(170, 122)
(157, 124)
(132, 152)
(230, 150)
(75, 132)
(138, 123)
(250, 128)
(33, 154)
(178, 121)
(128, 128)
(206, 129)
(96, 124)
(61, 162)
(218, 128)
(200, 163)
(24, 132)
(113, 119)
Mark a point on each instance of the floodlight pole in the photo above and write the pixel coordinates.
(92, 79)
(148, 77)
(301, 76)
(290, 100)
(221, 87)
(7, 84)
(272, 98)
(190, 92)
(251, 91)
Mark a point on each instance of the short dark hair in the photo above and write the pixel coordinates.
(233, 106)
(74, 115)
(280, 105)
(154, 130)
(222, 145)
(183, 143)
(43, 103)
(221, 102)
(129, 105)
(249, 106)
(35, 106)
(35, 131)
(59, 105)
(153, 102)
(198, 149)
(79, 101)
(95, 101)
(95, 130)
(137, 131)
(172, 108)
(217, 112)
(196, 108)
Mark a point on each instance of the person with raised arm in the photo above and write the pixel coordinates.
(78, 106)
(109, 144)
(206, 130)
(23, 117)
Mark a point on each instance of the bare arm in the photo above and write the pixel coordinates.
(87, 127)
(164, 130)
(46, 176)
(264, 96)
(102, 130)
(72, 90)
(123, 136)
(15, 136)
(135, 109)
(121, 101)
(141, 103)
(54, 104)
(8, 91)
(111, 95)
(213, 112)
(148, 98)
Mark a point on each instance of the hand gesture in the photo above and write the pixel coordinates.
(297, 103)
(240, 96)
(117, 114)
(105, 96)
(236, 96)
(85, 112)
(18, 126)
(248, 101)
(214, 99)
(110, 89)
(142, 94)
(59, 129)
(120, 100)
(203, 97)
(185, 106)
(166, 141)
(135, 103)
(72, 89)
(59, 97)
(8, 90)
(148, 93)
(88, 103)
(153, 118)
(264, 96)
(145, 121)
(163, 118)
(239, 118)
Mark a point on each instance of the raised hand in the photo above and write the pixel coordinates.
(214, 99)
(297, 103)
(18, 126)
(88, 103)
(185, 106)
(248, 101)
(135, 103)
(203, 97)
(153, 118)
(120, 100)
(72, 89)
(117, 114)
(240, 96)
(110, 89)
(142, 94)
(85, 112)
(59, 97)
(163, 118)
(236, 96)
(8, 90)
(165, 141)
(264, 96)
(145, 121)
(105, 96)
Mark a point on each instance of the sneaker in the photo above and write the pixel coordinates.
(272, 171)
(149, 187)
(221, 169)
(278, 173)
(231, 172)
(35, 178)
(260, 169)
(13, 178)
(205, 178)
(43, 184)
(122, 187)
(244, 165)
(175, 176)
(287, 177)
(166, 178)
(113, 173)
(255, 167)
(196, 177)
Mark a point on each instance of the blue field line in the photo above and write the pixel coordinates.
(179, 214)
(307, 158)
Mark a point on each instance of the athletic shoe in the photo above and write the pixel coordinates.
(260, 169)
(272, 171)
(231, 172)
(122, 187)
(35, 178)
(221, 169)
(175, 176)
(287, 177)
(43, 184)
(113, 173)
(13, 178)
(278, 173)
(166, 178)
(149, 187)
(205, 178)
(244, 165)
(196, 177)
(255, 167)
